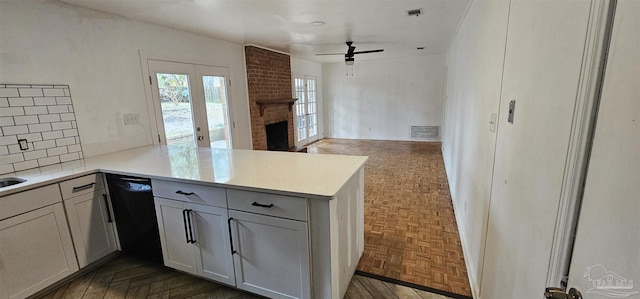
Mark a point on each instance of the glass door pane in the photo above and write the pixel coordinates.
(176, 105)
(301, 113)
(216, 106)
(311, 109)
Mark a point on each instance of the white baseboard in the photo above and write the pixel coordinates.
(473, 282)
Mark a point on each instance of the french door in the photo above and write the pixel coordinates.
(191, 104)
(306, 117)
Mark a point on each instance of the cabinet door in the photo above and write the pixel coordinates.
(91, 227)
(35, 251)
(176, 251)
(272, 256)
(213, 253)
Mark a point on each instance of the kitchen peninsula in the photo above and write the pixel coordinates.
(319, 199)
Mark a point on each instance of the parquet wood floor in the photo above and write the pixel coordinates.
(410, 227)
(129, 277)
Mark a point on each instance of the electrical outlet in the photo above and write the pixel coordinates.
(131, 119)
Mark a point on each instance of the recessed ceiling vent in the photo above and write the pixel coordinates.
(425, 132)
(414, 12)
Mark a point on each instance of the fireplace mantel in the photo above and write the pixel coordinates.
(263, 103)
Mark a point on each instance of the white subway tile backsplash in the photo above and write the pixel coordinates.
(48, 118)
(70, 133)
(16, 102)
(34, 155)
(6, 140)
(38, 145)
(15, 130)
(6, 168)
(57, 109)
(63, 100)
(39, 128)
(53, 92)
(68, 117)
(36, 110)
(6, 121)
(61, 125)
(69, 157)
(25, 165)
(43, 115)
(49, 161)
(57, 151)
(11, 111)
(30, 92)
(11, 158)
(31, 137)
(74, 148)
(46, 101)
(66, 141)
(52, 135)
(9, 92)
(25, 120)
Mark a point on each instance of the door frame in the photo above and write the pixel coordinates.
(307, 140)
(145, 56)
(581, 139)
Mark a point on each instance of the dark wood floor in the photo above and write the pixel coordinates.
(129, 277)
(410, 227)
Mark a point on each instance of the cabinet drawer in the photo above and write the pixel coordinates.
(207, 195)
(30, 200)
(268, 204)
(82, 185)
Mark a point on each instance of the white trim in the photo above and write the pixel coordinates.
(579, 143)
(145, 56)
(473, 282)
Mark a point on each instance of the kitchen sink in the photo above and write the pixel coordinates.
(6, 182)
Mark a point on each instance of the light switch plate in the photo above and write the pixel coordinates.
(131, 119)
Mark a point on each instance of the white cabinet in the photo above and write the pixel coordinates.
(90, 220)
(271, 253)
(194, 237)
(35, 246)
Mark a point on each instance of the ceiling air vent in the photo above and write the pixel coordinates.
(414, 12)
(425, 132)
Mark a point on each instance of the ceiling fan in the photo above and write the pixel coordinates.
(349, 56)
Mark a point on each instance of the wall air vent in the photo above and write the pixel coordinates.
(425, 132)
(414, 12)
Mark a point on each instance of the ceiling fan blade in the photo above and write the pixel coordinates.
(369, 51)
(324, 54)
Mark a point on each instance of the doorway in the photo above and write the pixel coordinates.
(306, 113)
(191, 104)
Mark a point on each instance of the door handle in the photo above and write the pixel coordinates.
(200, 137)
(184, 193)
(106, 203)
(231, 236)
(256, 204)
(186, 230)
(191, 238)
(83, 187)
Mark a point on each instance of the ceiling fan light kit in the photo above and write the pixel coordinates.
(349, 57)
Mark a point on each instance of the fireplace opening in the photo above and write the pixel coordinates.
(278, 136)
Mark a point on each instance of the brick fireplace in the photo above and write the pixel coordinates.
(268, 78)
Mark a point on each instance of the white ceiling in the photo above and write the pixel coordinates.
(284, 25)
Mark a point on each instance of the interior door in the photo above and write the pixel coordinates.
(191, 104)
(306, 112)
(605, 257)
(542, 68)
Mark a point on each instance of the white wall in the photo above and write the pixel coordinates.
(383, 98)
(97, 54)
(310, 68)
(474, 76)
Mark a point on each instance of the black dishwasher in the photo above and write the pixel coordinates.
(135, 216)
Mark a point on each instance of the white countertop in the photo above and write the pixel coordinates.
(315, 175)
